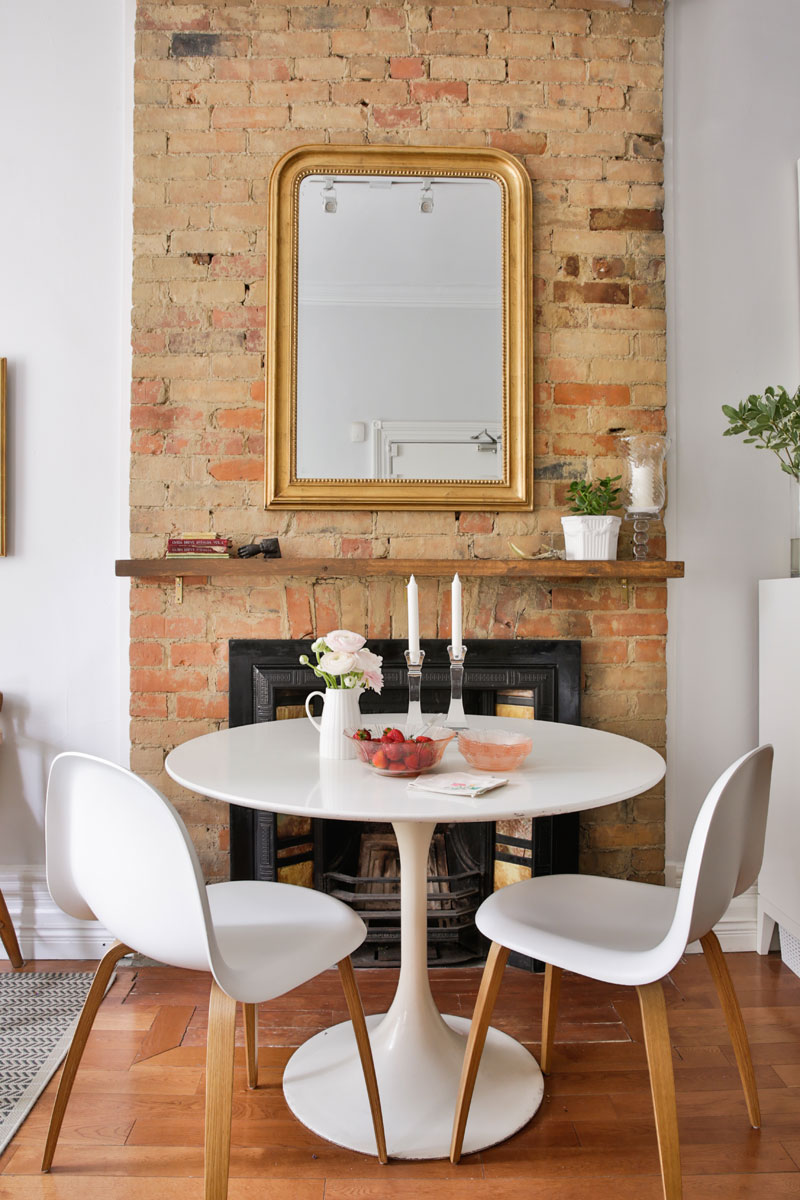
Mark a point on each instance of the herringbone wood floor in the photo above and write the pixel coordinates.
(134, 1128)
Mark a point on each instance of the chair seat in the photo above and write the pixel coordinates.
(608, 929)
(275, 936)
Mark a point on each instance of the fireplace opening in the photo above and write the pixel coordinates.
(358, 861)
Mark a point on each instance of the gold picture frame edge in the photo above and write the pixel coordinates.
(515, 492)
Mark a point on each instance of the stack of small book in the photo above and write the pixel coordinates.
(198, 545)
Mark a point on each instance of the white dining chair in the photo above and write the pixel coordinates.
(622, 932)
(117, 851)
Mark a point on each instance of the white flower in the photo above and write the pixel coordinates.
(337, 663)
(370, 664)
(319, 645)
(344, 641)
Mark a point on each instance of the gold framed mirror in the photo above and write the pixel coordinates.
(399, 330)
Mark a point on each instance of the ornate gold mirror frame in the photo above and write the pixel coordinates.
(514, 488)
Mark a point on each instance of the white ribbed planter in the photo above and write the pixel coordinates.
(591, 537)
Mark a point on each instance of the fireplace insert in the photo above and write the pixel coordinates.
(358, 861)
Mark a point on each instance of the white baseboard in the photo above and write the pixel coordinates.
(43, 930)
(738, 929)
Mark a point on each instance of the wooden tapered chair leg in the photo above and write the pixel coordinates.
(9, 937)
(84, 1027)
(733, 1019)
(356, 1011)
(219, 1092)
(662, 1085)
(250, 1021)
(552, 987)
(484, 1006)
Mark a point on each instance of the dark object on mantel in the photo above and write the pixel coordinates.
(267, 683)
(269, 547)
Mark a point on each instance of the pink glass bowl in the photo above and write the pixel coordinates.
(494, 749)
(401, 758)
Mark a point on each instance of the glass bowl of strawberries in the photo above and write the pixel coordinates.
(389, 752)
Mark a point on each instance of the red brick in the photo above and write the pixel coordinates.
(609, 395)
(406, 68)
(649, 650)
(631, 624)
(149, 626)
(192, 654)
(240, 418)
(237, 469)
(396, 118)
(626, 218)
(565, 292)
(143, 680)
(299, 612)
(146, 654)
(209, 708)
(425, 91)
(151, 704)
(357, 547)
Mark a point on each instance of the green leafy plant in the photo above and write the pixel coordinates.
(771, 422)
(594, 499)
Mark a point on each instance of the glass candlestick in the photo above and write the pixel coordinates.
(414, 721)
(643, 474)
(643, 480)
(455, 714)
(641, 532)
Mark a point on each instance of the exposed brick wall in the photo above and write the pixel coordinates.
(572, 87)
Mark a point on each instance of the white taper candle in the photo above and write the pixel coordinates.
(455, 616)
(413, 620)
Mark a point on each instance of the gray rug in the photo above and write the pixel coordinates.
(38, 1012)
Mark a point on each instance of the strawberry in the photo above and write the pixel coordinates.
(397, 767)
(380, 760)
(362, 735)
(412, 760)
(393, 751)
(422, 738)
(391, 734)
(427, 754)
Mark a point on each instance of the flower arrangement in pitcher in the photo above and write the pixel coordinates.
(344, 662)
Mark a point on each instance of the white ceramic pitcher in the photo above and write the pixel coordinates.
(339, 712)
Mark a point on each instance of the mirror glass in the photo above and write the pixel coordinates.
(399, 353)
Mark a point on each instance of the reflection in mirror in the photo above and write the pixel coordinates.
(399, 328)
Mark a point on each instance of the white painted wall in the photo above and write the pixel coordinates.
(733, 138)
(65, 73)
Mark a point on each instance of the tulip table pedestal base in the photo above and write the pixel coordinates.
(418, 1055)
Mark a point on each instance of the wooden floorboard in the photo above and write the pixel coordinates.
(134, 1128)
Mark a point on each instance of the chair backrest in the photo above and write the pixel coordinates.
(118, 851)
(726, 847)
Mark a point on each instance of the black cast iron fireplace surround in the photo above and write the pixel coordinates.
(266, 675)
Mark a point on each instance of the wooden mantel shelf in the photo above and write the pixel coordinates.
(241, 570)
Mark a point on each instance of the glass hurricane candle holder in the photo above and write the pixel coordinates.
(643, 484)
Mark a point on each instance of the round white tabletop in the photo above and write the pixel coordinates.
(418, 1053)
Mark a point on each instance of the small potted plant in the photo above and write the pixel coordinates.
(592, 531)
(772, 422)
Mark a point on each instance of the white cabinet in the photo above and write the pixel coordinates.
(779, 723)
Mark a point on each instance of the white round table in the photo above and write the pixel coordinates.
(274, 766)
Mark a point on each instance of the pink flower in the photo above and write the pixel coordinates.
(370, 664)
(344, 641)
